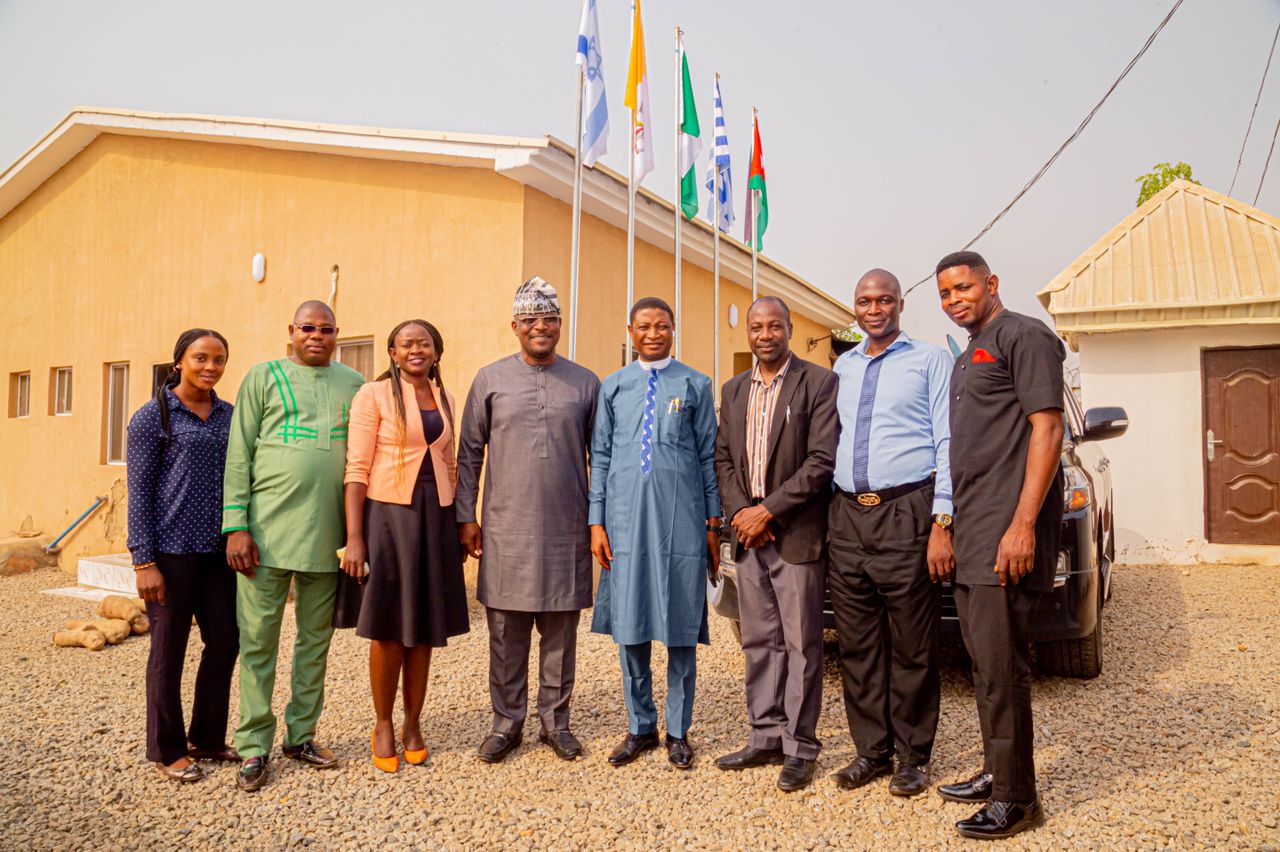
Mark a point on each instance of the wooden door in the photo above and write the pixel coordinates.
(1242, 445)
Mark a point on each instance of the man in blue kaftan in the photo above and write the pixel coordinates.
(655, 526)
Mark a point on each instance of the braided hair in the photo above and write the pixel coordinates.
(174, 375)
(392, 373)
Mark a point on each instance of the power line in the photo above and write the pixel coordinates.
(1075, 135)
(1255, 109)
(1266, 165)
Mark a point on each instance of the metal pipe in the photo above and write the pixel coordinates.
(715, 254)
(679, 174)
(52, 547)
(577, 225)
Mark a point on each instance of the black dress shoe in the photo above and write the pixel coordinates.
(632, 747)
(679, 754)
(862, 771)
(796, 774)
(225, 754)
(997, 820)
(749, 758)
(252, 774)
(317, 757)
(909, 780)
(976, 789)
(563, 743)
(497, 746)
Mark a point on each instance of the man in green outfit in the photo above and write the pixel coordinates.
(283, 518)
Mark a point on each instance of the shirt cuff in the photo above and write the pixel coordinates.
(595, 515)
(234, 517)
(943, 506)
(142, 554)
(713, 508)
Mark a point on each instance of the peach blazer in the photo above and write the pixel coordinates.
(372, 445)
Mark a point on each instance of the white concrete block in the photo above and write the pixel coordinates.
(113, 571)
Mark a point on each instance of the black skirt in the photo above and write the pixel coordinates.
(415, 593)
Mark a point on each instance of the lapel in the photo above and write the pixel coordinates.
(413, 434)
(738, 417)
(789, 384)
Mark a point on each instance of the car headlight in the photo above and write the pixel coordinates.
(1077, 494)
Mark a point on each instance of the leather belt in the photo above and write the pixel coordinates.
(875, 498)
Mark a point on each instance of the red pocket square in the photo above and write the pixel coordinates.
(982, 356)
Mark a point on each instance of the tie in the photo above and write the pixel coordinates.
(646, 437)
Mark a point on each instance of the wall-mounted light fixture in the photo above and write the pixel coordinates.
(733, 316)
(259, 267)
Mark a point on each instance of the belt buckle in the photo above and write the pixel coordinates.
(868, 498)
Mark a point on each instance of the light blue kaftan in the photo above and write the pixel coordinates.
(657, 522)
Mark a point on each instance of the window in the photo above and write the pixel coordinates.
(159, 372)
(19, 394)
(60, 391)
(358, 355)
(117, 405)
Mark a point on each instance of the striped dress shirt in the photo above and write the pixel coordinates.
(760, 405)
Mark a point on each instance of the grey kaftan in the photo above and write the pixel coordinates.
(536, 423)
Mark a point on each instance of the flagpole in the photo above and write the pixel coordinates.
(577, 223)
(755, 210)
(631, 229)
(678, 176)
(715, 251)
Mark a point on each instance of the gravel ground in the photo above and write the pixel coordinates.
(1176, 744)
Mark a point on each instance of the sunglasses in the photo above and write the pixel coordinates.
(530, 322)
(326, 330)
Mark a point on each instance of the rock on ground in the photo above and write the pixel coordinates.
(1175, 745)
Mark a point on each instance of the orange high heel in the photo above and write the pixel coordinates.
(415, 757)
(386, 764)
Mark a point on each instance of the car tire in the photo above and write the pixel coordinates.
(1078, 658)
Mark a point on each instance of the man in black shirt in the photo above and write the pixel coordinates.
(1006, 444)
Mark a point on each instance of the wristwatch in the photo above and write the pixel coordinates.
(944, 520)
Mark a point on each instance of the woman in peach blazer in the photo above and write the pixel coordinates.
(402, 585)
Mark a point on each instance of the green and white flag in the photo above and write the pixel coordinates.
(690, 142)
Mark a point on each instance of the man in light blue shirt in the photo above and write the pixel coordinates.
(890, 538)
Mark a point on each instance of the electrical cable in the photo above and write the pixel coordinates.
(1240, 159)
(1075, 135)
(1267, 164)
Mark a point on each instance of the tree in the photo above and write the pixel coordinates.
(1160, 176)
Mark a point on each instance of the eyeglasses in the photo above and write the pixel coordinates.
(530, 322)
(326, 330)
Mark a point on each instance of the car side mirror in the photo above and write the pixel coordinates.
(1106, 422)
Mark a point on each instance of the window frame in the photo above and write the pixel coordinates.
(20, 392)
(352, 343)
(112, 370)
(56, 394)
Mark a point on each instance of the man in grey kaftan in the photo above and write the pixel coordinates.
(534, 412)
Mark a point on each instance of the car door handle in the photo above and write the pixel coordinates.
(1210, 443)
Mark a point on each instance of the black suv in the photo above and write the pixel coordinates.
(1068, 626)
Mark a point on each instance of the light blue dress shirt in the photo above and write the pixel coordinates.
(895, 418)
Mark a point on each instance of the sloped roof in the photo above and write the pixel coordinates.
(1189, 256)
(543, 163)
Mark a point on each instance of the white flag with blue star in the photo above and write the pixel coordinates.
(719, 162)
(595, 109)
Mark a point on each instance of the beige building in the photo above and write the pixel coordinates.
(120, 229)
(1176, 315)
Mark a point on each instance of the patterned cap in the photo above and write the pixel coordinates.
(535, 297)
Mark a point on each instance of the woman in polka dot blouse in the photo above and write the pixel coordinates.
(176, 454)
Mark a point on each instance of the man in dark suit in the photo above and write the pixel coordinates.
(775, 453)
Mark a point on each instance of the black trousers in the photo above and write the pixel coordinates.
(996, 623)
(886, 611)
(202, 585)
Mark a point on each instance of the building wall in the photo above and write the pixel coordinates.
(137, 239)
(1157, 465)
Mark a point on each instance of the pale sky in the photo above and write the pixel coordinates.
(892, 132)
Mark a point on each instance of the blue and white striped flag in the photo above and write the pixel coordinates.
(595, 109)
(719, 159)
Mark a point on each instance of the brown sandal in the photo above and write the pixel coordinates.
(186, 775)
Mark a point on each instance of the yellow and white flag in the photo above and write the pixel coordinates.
(637, 100)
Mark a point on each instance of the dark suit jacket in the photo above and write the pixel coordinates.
(802, 457)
